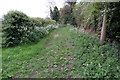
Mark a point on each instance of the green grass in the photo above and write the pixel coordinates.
(72, 54)
(0, 29)
(0, 48)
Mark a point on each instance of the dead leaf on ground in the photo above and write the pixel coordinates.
(56, 35)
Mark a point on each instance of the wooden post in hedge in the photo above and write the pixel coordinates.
(103, 31)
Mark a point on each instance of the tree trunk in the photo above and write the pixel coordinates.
(103, 31)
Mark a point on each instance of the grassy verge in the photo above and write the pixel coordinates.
(65, 53)
(21, 59)
(0, 48)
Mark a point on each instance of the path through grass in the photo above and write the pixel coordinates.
(70, 54)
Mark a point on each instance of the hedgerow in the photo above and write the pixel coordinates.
(41, 22)
(18, 28)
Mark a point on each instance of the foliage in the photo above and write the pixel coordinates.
(71, 2)
(18, 28)
(41, 22)
(14, 28)
(66, 13)
(113, 22)
(95, 60)
(73, 52)
(89, 16)
(55, 15)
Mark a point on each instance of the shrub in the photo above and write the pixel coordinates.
(19, 28)
(14, 28)
(41, 22)
(113, 29)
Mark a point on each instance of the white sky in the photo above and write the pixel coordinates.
(33, 8)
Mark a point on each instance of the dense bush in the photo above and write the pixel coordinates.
(14, 28)
(41, 22)
(113, 30)
(19, 28)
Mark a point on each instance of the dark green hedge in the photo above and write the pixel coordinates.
(113, 28)
(41, 22)
(19, 28)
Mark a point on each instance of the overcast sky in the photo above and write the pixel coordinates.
(33, 8)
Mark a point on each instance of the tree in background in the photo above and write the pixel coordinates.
(55, 15)
(66, 13)
(71, 3)
(94, 17)
(50, 6)
(51, 13)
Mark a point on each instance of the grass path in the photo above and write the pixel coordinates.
(63, 54)
(48, 58)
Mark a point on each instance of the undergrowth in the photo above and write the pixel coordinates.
(72, 54)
